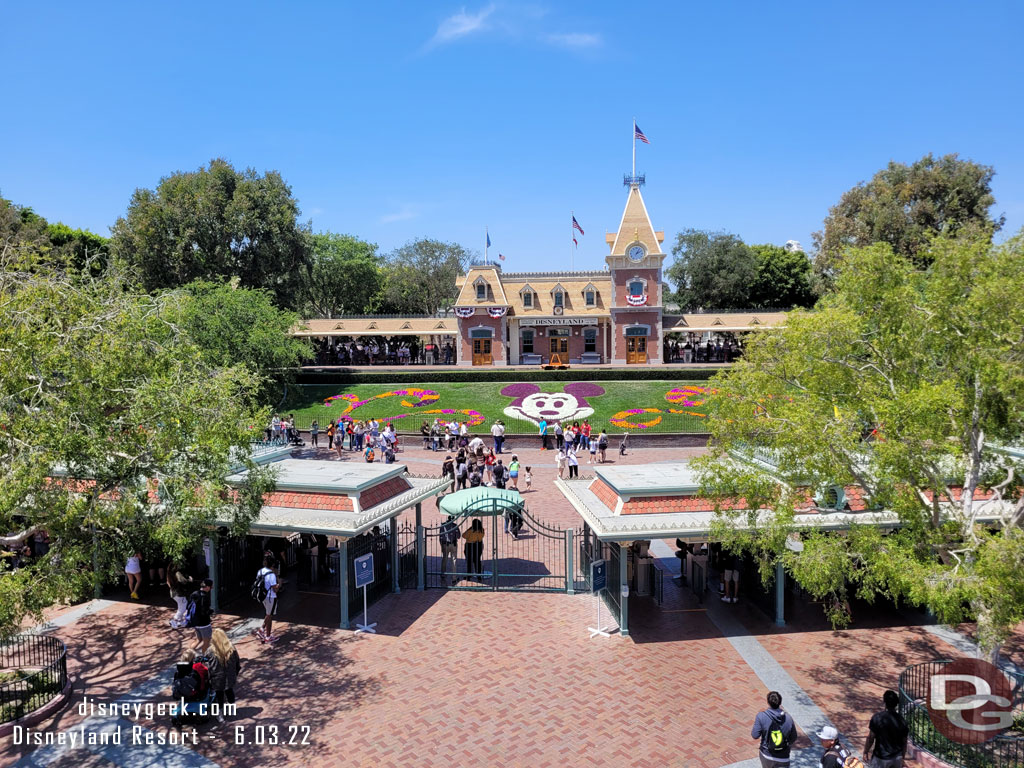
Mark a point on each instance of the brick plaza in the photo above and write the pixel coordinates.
(496, 678)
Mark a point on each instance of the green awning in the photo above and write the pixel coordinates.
(481, 502)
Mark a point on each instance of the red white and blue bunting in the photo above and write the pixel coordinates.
(497, 312)
(464, 311)
(637, 301)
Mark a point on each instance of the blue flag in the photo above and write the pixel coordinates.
(488, 240)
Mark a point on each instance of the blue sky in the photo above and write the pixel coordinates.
(393, 121)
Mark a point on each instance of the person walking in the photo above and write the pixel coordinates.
(224, 667)
(500, 475)
(602, 444)
(835, 755)
(474, 547)
(425, 432)
(489, 460)
(448, 469)
(887, 735)
(776, 732)
(592, 448)
(314, 433)
(543, 426)
(498, 433)
(133, 572)
(271, 587)
(573, 462)
(528, 477)
(560, 460)
(180, 585)
(449, 537)
(559, 436)
(200, 615)
(513, 472)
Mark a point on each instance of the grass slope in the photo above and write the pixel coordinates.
(307, 403)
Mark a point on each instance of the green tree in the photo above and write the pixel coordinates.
(215, 223)
(904, 206)
(344, 277)
(103, 400)
(904, 382)
(420, 276)
(22, 227)
(712, 270)
(783, 278)
(242, 326)
(80, 246)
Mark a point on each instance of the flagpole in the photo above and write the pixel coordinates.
(572, 237)
(634, 147)
(487, 242)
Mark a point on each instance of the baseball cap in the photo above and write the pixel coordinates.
(828, 732)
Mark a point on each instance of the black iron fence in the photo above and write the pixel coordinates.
(33, 671)
(1001, 752)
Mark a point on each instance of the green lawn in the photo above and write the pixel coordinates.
(485, 403)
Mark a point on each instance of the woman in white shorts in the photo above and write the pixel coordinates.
(133, 570)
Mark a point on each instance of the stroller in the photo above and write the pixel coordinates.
(624, 444)
(294, 438)
(192, 685)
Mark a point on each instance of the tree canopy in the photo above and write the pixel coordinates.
(104, 399)
(232, 326)
(904, 382)
(215, 223)
(56, 243)
(783, 279)
(344, 277)
(904, 206)
(711, 270)
(421, 276)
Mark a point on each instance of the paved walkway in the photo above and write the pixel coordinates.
(485, 679)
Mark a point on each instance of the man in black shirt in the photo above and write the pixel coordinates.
(200, 619)
(887, 733)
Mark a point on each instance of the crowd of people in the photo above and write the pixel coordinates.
(379, 350)
(885, 745)
(718, 350)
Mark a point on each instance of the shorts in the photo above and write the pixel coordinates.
(513, 474)
(270, 605)
(731, 575)
(204, 633)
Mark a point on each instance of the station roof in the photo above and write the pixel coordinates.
(650, 479)
(700, 322)
(379, 326)
(335, 477)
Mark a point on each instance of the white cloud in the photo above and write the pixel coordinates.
(404, 213)
(459, 25)
(575, 40)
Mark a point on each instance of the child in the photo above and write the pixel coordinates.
(560, 462)
(592, 459)
(528, 477)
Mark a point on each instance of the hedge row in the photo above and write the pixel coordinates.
(435, 376)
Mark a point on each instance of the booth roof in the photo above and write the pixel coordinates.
(481, 501)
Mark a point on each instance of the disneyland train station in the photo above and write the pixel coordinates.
(612, 316)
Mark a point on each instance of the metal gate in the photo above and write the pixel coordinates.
(519, 553)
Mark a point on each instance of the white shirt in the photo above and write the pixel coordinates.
(476, 444)
(498, 430)
(571, 456)
(269, 580)
(463, 429)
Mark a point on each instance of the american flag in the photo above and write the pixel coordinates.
(638, 134)
(574, 241)
(501, 256)
(576, 225)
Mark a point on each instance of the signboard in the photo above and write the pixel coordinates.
(598, 576)
(558, 321)
(364, 570)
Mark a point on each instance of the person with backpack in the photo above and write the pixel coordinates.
(449, 536)
(836, 755)
(191, 685)
(776, 732)
(887, 735)
(199, 615)
(265, 591)
(602, 444)
(224, 667)
(500, 475)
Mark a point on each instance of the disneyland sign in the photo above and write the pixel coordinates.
(558, 321)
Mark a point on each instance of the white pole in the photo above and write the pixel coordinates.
(572, 237)
(487, 237)
(633, 138)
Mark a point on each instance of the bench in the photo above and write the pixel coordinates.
(530, 359)
(590, 358)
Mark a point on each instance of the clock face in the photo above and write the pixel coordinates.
(636, 253)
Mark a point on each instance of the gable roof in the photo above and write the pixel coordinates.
(491, 275)
(636, 225)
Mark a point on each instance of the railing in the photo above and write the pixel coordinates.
(1002, 752)
(33, 671)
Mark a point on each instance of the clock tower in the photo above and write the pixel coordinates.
(635, 263)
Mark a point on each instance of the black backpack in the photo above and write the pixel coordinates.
(777, 739)
(259, 587)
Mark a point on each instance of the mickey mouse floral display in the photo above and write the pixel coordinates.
(689, 396)
(533, 405)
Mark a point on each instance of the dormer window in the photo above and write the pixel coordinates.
(559, 298)
(481, 289)
(528, 299)
(590, 295)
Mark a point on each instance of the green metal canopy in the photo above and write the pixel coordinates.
(482, 501)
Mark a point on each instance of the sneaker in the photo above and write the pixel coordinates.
(726, 599)
(260, 633)
(271, 639)
(735, 599)
(135, 595)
